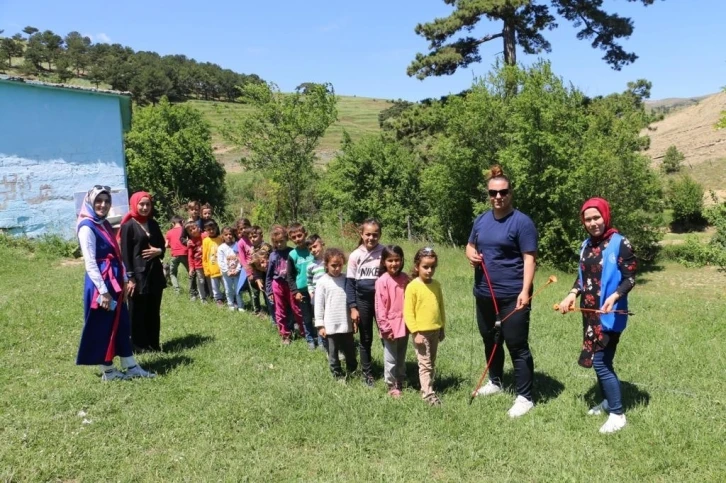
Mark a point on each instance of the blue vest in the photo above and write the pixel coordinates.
(610, 280)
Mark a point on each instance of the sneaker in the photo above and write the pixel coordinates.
(311, 345)
(615, 422)
(112, 375)
(137, 371)
(368, 380)
(488, 389)
(285, 341)
(193, 298)
(220, 303)
(232, 308)
(433, 400)
(395, 393)
(241, 309)
(521, 406)
(599, 409)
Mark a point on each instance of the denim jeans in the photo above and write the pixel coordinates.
(198, 285)
(216, 283)
(306, 307)
(608, 381)
(230, 289)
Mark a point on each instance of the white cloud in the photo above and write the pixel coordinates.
(99, 38)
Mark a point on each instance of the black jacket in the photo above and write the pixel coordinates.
(149, 275)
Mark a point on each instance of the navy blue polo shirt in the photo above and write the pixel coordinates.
(502, 243)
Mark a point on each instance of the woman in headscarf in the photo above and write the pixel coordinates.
(142, 247)
(106, 330)
(606, 276)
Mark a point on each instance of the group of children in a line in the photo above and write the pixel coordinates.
(306, 289)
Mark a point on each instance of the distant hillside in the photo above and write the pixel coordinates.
(357, 115)
(673, 104)
(692, 131)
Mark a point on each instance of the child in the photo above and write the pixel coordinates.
(258, 277)
(230, 267)
(425, 318)
(193, 212)
(315, 270)
(178, 250)
(197, 285)
(297, 279)
(244, 252)
(332, 317)
(390, 288)
(207, 213)
(363, 266)
(278, 291)
(256, 238)
(210, 245)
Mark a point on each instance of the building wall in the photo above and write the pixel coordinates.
(53, 143)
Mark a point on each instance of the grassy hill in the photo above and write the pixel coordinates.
(357, 115)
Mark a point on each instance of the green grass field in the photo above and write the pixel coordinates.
(231, 403)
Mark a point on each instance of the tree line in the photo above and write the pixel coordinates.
(147, 75)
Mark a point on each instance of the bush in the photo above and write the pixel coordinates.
(169, 153)
(53, 246)
(685, 198)
(716, 216)
(693, 253)
(672, 160)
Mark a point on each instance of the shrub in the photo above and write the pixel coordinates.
(693, 253)
(672, 160)
(685, 198)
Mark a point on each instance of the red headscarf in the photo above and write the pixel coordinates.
(134, 206)
(603, 207)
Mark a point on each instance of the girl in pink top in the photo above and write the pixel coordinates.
(390, 287)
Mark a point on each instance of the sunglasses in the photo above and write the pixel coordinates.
(502, 193)
(104, 188)
(427, 251)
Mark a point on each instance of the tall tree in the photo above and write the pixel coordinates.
(10, 48)
(281, 134)
(519, 23)
(77, 47)
(53, 47)
(169, 152)
(29, 31)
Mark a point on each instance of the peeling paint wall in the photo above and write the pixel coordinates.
(53, 143)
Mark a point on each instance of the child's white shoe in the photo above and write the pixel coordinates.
(521, 406)
(615, 422)
(137, 371)
(599, 409)
(488, 389)
(113, 374)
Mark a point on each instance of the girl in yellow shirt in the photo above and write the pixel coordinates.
(423, 312)
(212, 272)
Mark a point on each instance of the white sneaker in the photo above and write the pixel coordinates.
(521, 406)
(137, 371)
(599, 409)
(241, 309)
(113, 374)
(488, 389)
(232, 308)
(615, 422)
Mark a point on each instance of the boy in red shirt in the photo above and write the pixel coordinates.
(178, 251)
(194, 257)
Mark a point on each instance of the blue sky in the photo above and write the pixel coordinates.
(363, 48)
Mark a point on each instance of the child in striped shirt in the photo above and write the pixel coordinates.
(315, 270)
(332, 318)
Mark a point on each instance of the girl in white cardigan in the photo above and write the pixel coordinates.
(332, 317)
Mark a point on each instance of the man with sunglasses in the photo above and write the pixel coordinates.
(502, 249)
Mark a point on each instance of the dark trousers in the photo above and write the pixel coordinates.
(306, 307)
(346, 344)
(366, 311)
(515, 334)
(255, 294)
(145, 312)
(608, 381)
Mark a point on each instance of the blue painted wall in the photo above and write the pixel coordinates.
(55, 142)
